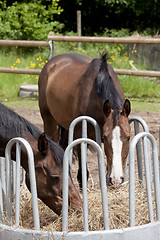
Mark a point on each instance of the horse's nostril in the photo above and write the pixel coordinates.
(110, 181)
(122, 179)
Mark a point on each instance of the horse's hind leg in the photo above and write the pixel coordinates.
(79, 175)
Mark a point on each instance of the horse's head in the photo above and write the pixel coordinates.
(49, 169)
(116, 134)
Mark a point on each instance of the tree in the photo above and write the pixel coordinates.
(97, 15)
(29, 21)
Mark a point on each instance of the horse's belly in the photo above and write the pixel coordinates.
(61, 114)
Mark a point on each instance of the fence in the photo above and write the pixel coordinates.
(53, 38)
(23, 43)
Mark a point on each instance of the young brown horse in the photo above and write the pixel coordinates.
(71, 85)
(48, 157)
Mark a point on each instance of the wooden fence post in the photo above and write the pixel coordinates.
(79, 26)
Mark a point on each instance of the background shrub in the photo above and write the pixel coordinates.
(29, 21)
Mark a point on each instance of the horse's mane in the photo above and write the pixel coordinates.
(13, 125)
(105, 86)
(57, 152)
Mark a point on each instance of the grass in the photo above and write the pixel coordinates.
(27, 103)
(139, 88)
(138, 105)
(10, 83)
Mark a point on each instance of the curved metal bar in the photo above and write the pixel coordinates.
(132, 175)
(102, 182)
(72, 127)
(1, 203)
(138, 120)
(51, 48)
(3, 182)
(29, 151)
(141, 121)
(148, 181)
(8, 190)
(17, 190)
(89, 119)
(159, 142)
(84, 174)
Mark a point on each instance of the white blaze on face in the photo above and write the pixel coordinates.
(116, 172)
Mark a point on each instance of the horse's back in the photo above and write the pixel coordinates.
(62, 63)
(62, 60)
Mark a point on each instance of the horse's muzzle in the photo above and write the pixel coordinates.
(114, 182)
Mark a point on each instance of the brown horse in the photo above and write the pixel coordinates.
(48, 157)
(71, 85)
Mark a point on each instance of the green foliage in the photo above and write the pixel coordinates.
(29, 21)
(123, 32)
(33, 20)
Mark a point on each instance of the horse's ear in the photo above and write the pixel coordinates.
(126, 108)
(42, 143)
(107, 108)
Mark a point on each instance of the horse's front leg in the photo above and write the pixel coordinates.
(79, 175)
(63, 133)
(51, 127)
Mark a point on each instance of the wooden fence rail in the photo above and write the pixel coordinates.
(123, 40)
(118, 71)
(80, 39)
(138, 72)
(20, 71)
(24, 43)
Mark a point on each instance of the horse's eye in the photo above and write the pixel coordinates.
(55, 179)
(104, 138)
(128, 139)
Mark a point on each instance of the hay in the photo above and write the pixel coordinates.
(118, 203)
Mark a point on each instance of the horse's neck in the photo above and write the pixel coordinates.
(116, 82)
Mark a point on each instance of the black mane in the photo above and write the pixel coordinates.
(13, 125)
(105, 86)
